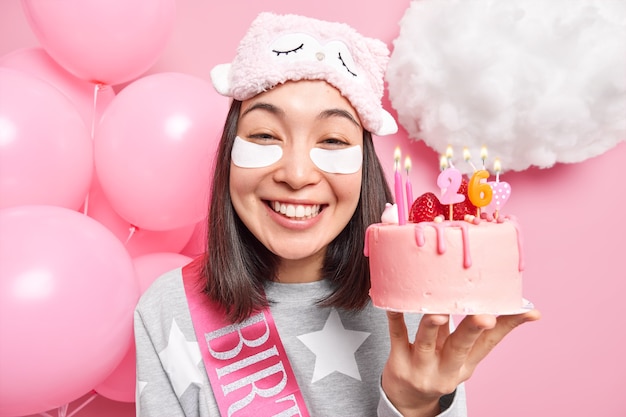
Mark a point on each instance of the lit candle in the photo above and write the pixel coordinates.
(409, 186)
(443, 162)
(483, 155)
(468, 158)
(501, 190)
(497, 167)
(449, 181)
(449, 155)
(398, 187)
(478, 191)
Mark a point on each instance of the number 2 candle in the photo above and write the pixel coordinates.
(449, 181)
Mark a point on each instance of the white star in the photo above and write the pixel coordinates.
(180, 359)
(138, 390)
(139, 387)
(334, 347)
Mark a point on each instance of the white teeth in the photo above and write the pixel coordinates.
(296, 211)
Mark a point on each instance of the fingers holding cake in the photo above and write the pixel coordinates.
(412, 378)
(463, 343)
(431, 335)
(398, 333)
(418, 373)
(492, 337)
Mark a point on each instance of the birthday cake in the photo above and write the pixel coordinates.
(448, 259)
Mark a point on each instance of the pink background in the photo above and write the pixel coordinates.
(569, 363)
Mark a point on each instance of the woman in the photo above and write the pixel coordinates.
(275, 319)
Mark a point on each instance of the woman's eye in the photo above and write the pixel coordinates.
(333, 142)
(262, 137)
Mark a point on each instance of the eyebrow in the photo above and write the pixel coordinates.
(264, 106)
(340, 113)
(326, 114)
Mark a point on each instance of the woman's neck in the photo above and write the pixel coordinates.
(293, 271)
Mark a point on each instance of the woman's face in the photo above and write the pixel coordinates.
(295, 174)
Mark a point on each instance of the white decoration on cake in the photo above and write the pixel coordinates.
(390, 214)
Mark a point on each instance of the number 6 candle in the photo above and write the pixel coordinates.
(479, 192)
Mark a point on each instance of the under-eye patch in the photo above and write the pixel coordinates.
(252, 155)
(338, 161)
(334, 161)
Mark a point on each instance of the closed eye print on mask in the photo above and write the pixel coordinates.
(334, 161)
(301, 47)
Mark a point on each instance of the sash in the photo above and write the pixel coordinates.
(246, 362)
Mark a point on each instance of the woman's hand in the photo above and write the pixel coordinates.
(417, 374)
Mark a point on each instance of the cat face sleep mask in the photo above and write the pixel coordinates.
(281, 48)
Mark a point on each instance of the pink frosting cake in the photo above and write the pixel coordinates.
(449, 267)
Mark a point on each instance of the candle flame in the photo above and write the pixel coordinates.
(449, 152)
(443, 162)
(468, 157)
(483, 153)
(397, 154)
(497, 166)
(407, 164)
(466, 154)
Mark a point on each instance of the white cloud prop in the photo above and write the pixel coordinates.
(535, 81)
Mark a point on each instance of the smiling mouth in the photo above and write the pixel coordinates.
(296, 211)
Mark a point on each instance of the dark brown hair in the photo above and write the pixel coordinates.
(236, 264)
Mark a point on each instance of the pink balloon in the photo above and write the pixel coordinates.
(196, 245)
(67, 293)
(102, 41)
(120, 385)
(88, 99)
(137, 241)
(46, 151)
(154, 149)
(149, 267)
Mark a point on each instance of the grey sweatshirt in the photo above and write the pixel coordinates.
(337, 356)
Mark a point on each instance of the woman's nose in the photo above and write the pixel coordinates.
(297, 169)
